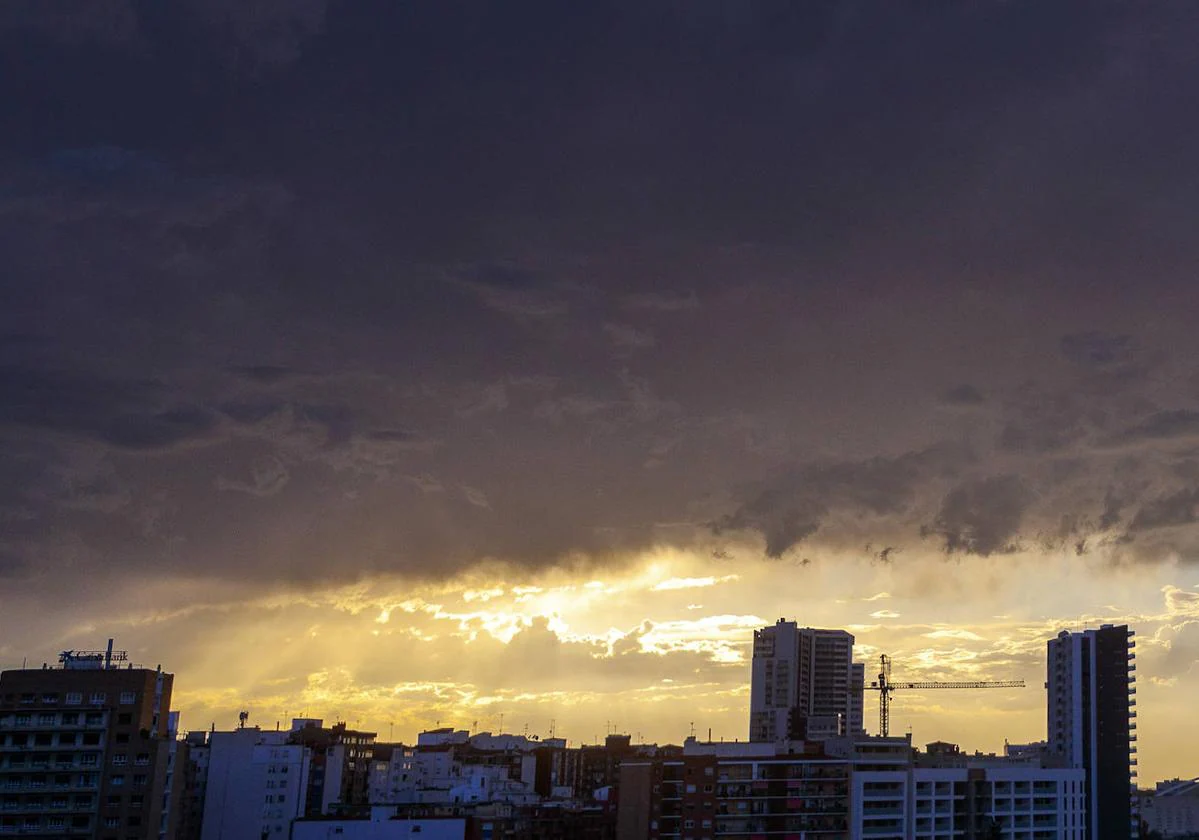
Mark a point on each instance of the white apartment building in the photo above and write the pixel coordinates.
(1172, 808)
(451, 767)
(804, 684)
(1020, 802)
(256, 785)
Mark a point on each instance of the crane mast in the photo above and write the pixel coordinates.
(884, 686)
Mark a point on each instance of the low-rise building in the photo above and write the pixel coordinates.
(1172, 808)
(996, 803)
(745, 790)
(341, 761)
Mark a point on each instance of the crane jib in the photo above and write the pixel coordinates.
(884, 686)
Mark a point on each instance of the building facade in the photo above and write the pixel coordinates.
(1091, 685)
(85, 749)
(734, 792)
(804, 684)
(1172, 808)
(255, 785)
(974, 803)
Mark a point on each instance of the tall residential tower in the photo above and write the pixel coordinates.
(804, 684)
(1091, 683)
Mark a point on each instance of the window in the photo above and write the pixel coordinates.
(112, 822)
(23, 720)
(98, 697)
(128, 697)
(124, 719)
(46, 719)
(139, 780)
(118, 780)
(49, 698)
(142, 759)
(74, 698)
(70, 718)
(120, 759)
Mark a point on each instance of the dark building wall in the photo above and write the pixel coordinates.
(633, 812)
(1113, 802)
(87, 736)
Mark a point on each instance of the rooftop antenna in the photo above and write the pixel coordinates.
(242, 717)
(108, 657)
(553, 721)
(692, 729)
(501, 732)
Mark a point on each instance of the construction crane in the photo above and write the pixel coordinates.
(884, 686)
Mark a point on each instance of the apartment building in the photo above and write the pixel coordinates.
(804, 684)
(1091, 687)
(987, 803)
(255, 785)
(86, 749)
(734, 791)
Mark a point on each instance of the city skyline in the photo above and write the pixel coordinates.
(403, 363)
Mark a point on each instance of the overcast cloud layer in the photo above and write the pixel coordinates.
(308, 293)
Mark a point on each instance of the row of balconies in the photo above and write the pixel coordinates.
(82, 760)
(80, 721)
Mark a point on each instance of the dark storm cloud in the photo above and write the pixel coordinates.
(433, 283)
(1176, 509)
(1097, 350)
(793, 507)
(120, 413)
(264, 374)
(1177, 424)
(983, 517)
(963, 395)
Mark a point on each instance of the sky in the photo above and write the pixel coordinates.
(479, 364)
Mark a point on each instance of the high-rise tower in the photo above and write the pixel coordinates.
(804, 684)
(1091, 683)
